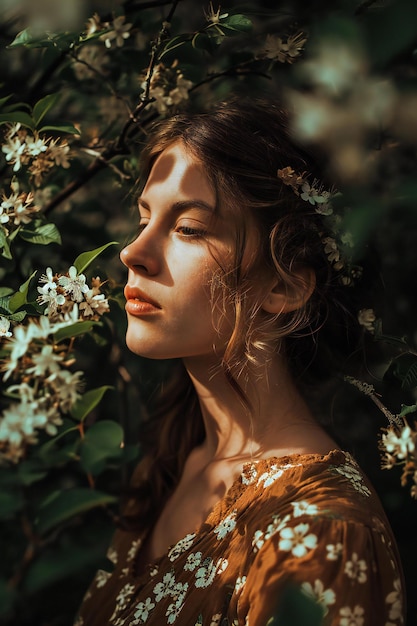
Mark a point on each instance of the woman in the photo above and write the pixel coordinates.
(242, 495)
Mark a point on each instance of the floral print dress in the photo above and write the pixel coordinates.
(309, 520)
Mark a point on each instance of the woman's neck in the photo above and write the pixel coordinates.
(277, 421)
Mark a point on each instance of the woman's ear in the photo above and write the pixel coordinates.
(284, 297)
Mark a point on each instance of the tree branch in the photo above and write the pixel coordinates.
(120, 146)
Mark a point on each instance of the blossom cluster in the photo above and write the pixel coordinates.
(62, 293)
(44, 387)
(338, 241)
(398, 446)
(167, 87)
(16, 209)
(40, 154)
(283, 51)
(116, 31)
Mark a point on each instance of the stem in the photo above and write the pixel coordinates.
(368, 390)
(32, 549)
(120, 146)
(90, 477)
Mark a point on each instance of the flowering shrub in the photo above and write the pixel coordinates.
(76, 101)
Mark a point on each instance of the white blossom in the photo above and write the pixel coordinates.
(45, 361)
(74, 284)
(4, 327)
(118, 34)
(399, 444)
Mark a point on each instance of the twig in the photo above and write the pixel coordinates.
(32, 550)
(369, 390)
(120, 146)
(238, 70)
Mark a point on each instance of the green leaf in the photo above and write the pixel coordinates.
(74, 330)
(88, 402)
(14, 117)
(102, 442)
(17, 317)
(22, 38)
(174, 43)
(43, 234)
(201, 41)
(42, 107)
(58, 456)
(237, 22)
(20, 297)
(83, 260)
(10, 503)
(4, 100)
(404, 368)
(63, 505)
(4, 305)
(4, 244)
(407, 409)
(62, 128)
(31, 471)
(5, 291)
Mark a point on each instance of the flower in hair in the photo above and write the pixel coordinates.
(336, 242)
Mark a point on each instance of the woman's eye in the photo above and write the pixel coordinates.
(188, 231)
(141, 227)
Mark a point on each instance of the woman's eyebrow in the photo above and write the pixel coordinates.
(182, 205)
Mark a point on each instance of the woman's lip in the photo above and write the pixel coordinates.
(134, 295)
(139, 307)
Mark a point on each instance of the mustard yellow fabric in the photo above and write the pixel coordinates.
(311, 520)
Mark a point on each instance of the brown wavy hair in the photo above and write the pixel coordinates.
(242, 144)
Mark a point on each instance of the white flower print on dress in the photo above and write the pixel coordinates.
(181, 546)
(356, 569)
(240, 583)
(322, 596)
(101, 578)
(163, 589)
(122, 600)
(136, 543)
(205, 574)
(297, 540)
(273, 473)
(226, 526)
(142, 611)
(304, 508)
(112, 555)
(351, 617)
(193, 561)
(395, 600)
(351, 471)
(249, 474)
(276, 526)
(334, 551)
(178, 593)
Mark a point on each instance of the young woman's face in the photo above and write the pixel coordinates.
(173, 260)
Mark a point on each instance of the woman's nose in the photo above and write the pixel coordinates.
(141, 255)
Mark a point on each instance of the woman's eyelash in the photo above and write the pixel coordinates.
(188, 231)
